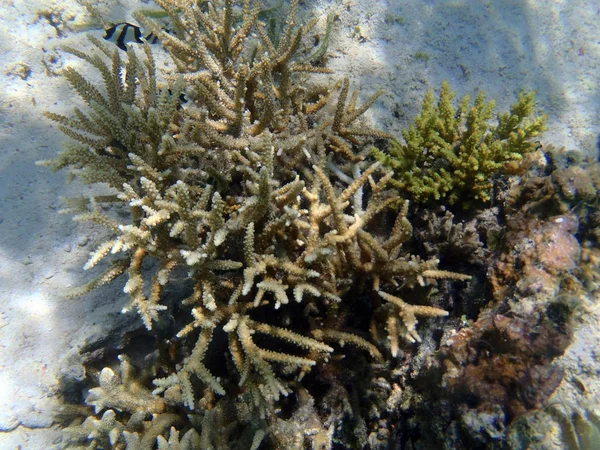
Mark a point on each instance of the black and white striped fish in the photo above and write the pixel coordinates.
(127, 33)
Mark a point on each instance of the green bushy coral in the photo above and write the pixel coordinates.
(450, 154)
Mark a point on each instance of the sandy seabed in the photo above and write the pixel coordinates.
(404, 47)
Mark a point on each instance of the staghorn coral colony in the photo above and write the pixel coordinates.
(451, 153)
(270, 248)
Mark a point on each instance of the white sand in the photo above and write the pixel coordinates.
(499, 46)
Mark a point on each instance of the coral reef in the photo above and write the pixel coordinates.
(451, 154)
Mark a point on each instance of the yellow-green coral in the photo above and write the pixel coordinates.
(450, 155)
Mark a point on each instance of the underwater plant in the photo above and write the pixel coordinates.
(451, 154)
(262, 191)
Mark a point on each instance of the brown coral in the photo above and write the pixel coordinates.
(261, 191)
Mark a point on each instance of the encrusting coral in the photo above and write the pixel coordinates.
(260, 188)
(451, 154)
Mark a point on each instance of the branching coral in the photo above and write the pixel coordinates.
(451, 154)
(257, 189)
(147, 423)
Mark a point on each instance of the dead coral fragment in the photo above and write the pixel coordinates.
(451, 154)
